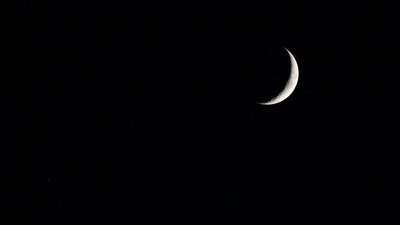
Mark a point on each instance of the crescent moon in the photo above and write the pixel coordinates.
(290, 84)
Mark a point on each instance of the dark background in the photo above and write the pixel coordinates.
(139, 114)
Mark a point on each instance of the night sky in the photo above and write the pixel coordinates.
(137, 114)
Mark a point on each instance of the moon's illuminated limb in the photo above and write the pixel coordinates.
(290, 84)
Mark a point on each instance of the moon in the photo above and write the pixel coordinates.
(290, 84)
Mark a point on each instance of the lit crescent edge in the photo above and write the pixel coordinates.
(290, 84)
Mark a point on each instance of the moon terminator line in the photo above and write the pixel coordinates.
(290, 84)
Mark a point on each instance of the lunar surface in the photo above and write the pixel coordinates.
(290, 84)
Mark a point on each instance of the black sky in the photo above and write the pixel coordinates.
(130, 114)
